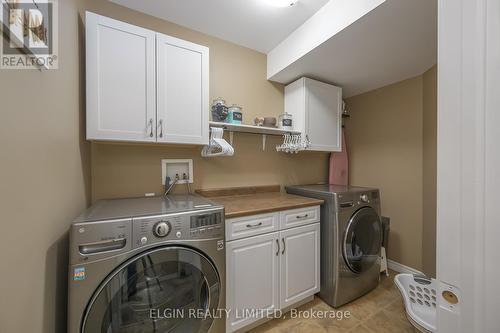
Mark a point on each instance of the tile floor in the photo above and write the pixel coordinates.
(380, 311)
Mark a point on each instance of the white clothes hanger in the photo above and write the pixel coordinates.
(217, 146)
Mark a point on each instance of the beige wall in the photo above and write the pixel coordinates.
(429, 171)
(384, 137)
(389, 143)
(44, 180)
(238, 75)
(124, 170)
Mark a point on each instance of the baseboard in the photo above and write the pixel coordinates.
(400, 268)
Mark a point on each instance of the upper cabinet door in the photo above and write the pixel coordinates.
(121, 78)
(182, 95)
(323, 119)
(316, 108)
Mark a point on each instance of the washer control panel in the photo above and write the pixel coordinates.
(206, 225)
(185, 226)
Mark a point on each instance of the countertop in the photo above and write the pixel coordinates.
(255, 202)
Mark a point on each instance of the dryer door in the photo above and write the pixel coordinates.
(362, 240)
(166, 289)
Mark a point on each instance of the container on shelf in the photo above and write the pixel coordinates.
(270, 121)
(285, 121)
(235, 114)
(219, 110)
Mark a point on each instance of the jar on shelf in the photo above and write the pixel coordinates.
(219, 110)
(285, 121)
(235, 115)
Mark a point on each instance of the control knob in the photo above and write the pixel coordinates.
(162, 229)
(364, 198)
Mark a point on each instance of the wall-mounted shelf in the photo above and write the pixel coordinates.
(251, 129)
(264, 131)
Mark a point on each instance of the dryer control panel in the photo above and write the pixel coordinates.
(353, 200)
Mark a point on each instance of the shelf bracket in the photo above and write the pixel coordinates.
(264, 137)
(231, 138)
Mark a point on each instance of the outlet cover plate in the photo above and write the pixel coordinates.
(171, 167)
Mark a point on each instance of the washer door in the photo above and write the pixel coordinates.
(362, 240)
(168, 289)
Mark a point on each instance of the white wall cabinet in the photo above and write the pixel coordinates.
(270, 271)
(316, 108)
(144, 86)
(120, 81)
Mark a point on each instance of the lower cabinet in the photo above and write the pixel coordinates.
(270, 272)
(299, 264)
(252, 276)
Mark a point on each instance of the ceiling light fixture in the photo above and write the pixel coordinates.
(281, 3)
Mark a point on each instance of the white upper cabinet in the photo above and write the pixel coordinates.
(121, 80)
(316, 108)
(144, 86)
(183, 70)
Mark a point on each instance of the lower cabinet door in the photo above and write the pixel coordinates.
(299, 264)
(252, 277)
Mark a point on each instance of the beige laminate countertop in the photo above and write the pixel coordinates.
(259, 203)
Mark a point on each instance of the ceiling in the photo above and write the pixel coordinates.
(395, 41)
(250, 23)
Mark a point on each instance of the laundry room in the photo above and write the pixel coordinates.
(226, 166)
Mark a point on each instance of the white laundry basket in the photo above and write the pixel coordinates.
(420, 299)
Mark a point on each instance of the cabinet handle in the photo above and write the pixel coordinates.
(254, 225)
(151, 127)
(283, 240)
(302, 216)
(161, 128)
(278, 245)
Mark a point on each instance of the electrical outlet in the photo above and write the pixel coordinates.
(171, 168)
